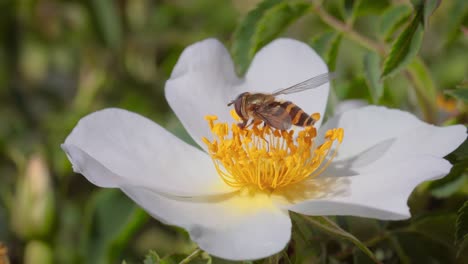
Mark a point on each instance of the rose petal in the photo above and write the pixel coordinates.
(385, 154)
(283, 63)
(200, 85)
(114, 147)
(228, 227)
(348, 105)
(399, 134)
(381, 193)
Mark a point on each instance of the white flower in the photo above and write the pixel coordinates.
(385, 153)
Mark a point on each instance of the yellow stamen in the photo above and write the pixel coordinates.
(268, 159)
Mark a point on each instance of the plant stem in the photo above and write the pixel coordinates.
(349, 31)
(329, 226)
(192, 256)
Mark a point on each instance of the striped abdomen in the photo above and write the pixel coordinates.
(298, 116)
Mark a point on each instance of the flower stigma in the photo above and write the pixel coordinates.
(263, 158)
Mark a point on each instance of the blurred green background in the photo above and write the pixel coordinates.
(60, 60)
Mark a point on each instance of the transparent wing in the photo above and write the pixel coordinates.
(311, 83)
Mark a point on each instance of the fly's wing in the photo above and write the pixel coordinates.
(275, 116)
(311, 83)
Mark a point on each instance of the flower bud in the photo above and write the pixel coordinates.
(37, 252)
(33, 210)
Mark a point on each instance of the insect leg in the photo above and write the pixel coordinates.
(243, 124)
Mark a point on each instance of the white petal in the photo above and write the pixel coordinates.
(200, 85)
(114, 147)
(222, 227)
(283, 63)
(348, 105)
(380, 193)
(384, 155)
(390, 134)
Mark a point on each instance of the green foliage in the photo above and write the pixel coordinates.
(460, 154)
(461, 233)
(438, 228)
(262, 25)
(460, 93)
(327, 45)
(366, 7)
(392, 19)
(450, 184)
(406, 46)
(112, 221)
(372, 72)
(429, 7)
(107, 22)
(331, 227)
(421, 80)
(151, 258)
(457, 12)
(196, 257)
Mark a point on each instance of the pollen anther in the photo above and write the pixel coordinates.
(268, 159)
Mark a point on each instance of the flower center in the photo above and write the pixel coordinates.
(266, 158)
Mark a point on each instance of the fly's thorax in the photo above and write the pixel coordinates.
(259, 99)
(255, 101)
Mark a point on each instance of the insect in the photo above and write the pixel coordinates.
(274, 113)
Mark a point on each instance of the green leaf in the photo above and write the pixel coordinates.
(333, 53)
(327, 45)
(331, 227)
(418, 248)
(151, 258)
(451, 183)
(365, 229)
(460, 154)
(460, 94)
(322, 42)
(195, 258)
(112, 219)
(372, 71)
(108, 24)
(406, 46)
(429, 7)
(361, 258)
(305, 240)
(424, 86)
(262, 25)
(457, 13)
(392, 19)
(433, 233)
(438, 228)
(244, 33)
(368, 7)
(461, 226)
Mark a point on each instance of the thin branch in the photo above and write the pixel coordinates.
(349, 31)
(192, 256)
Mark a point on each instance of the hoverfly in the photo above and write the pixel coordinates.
(274, 113)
